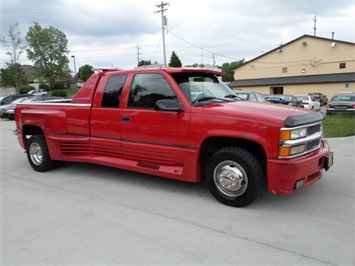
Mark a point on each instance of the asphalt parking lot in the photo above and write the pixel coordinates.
(89, 214)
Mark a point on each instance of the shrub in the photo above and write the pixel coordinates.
(58, 86)
(59, 93)
(25, 89)
(43, 86)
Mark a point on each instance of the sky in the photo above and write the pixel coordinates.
(118, 33)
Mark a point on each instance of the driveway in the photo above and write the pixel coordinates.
(89, 214)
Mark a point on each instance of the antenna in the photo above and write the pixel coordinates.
(315, 25)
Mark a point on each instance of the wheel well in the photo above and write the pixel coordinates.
(211, 145)
(29, 130)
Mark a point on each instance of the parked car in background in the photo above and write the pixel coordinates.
(309, 102)
(341, 103)
(10, 98)
(38, 92)
(8, 111)
(250, 96)
(318, 96)
(285, 99)
(18, 100)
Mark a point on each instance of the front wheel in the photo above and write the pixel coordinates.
(234, 176)
(37, 154)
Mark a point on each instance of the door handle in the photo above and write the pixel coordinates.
(126, 118)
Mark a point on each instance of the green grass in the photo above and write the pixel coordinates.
(336, 126)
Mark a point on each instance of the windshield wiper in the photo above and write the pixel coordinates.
(208, 98)
(202, 99)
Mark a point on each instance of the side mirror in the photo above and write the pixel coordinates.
(169, 105)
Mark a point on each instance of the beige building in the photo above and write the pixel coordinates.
(306, 64)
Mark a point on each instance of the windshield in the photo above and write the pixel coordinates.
(203, 88)
(302, 98)
(244, 96)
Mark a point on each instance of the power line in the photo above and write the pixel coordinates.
(199, 47)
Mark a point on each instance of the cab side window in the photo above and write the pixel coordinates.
(147, 89)
(252, 97)
(113, 90)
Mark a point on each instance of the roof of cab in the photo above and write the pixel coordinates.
(170, 70)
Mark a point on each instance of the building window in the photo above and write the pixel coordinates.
(342, 65)
(284, 70)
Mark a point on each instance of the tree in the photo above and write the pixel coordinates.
(47, 48)
(195, 65)
(85, 72)
(14, 45)
(13, 75)
(144, 63)
(174, 60)
(229, 68)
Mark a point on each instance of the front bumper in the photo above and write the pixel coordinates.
(285, 176)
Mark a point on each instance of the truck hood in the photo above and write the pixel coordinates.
(262, 112)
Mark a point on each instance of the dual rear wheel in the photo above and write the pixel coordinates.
(38, 155)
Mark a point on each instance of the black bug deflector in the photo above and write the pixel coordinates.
(300, 120)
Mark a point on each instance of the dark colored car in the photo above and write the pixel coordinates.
(342, 103)
(320, 97)
(13, 103)
(8, 111)
(10, 98)
(285, 99)
(250, 96)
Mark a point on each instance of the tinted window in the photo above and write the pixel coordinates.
(113, 90)
(8, 100)
(147, 89)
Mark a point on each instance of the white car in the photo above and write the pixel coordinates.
(309, 102)
(38, 92)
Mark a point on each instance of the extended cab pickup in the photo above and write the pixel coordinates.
(179, 123)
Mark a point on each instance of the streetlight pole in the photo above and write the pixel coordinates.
(76, 78)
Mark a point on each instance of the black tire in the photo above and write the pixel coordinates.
(234, 176)
(37, 154)
(58, 164)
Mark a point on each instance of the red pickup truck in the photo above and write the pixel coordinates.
(179, 123)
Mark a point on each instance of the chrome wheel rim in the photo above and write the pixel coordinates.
(230, 179)
(36, 154)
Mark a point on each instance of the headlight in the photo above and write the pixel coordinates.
(293, 134)
(290, 151)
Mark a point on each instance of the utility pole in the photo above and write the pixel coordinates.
(315, 25)
(161, 10)
(138, 53)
